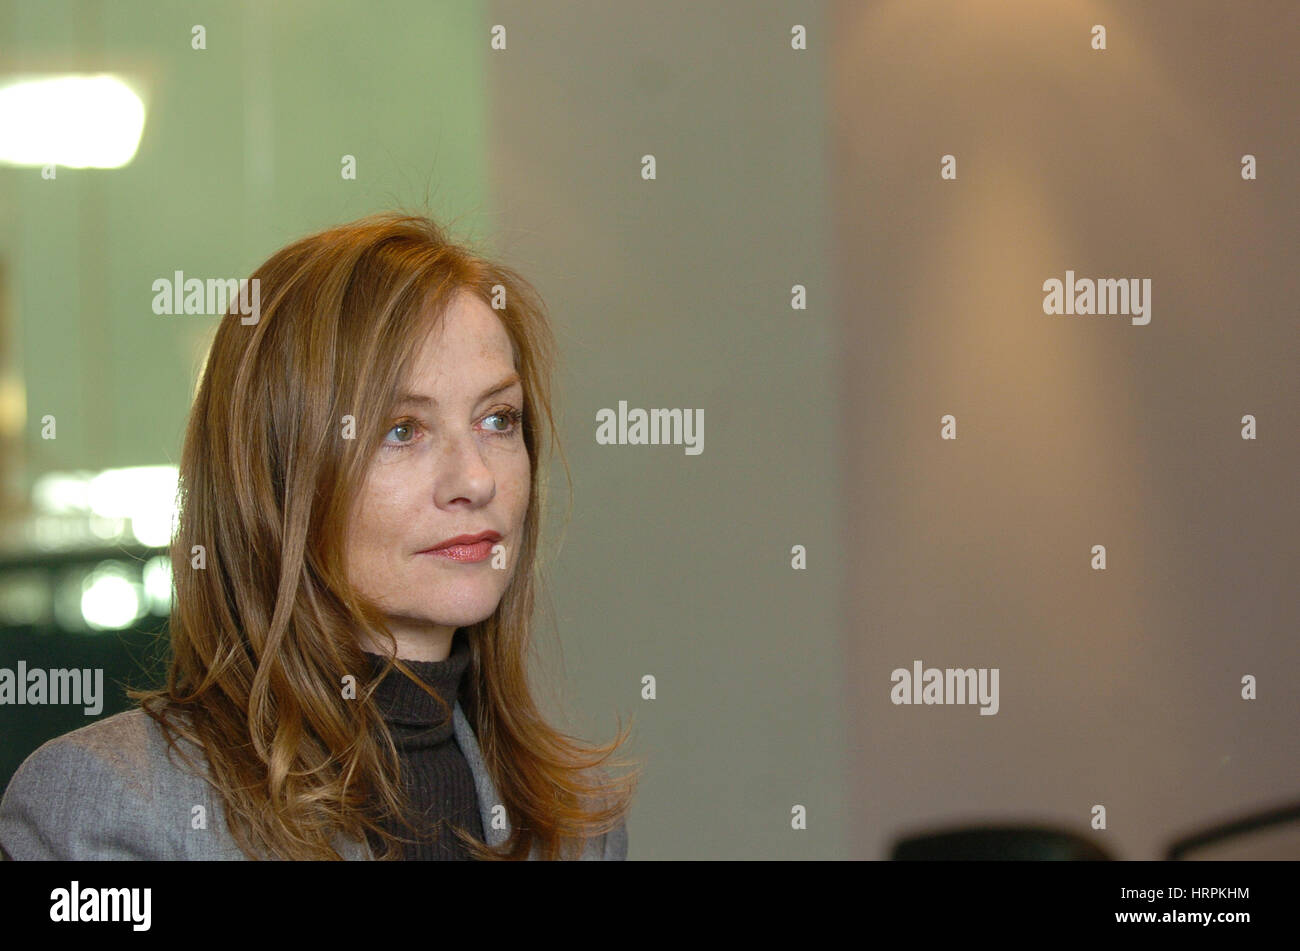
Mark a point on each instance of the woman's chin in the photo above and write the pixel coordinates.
(461, 612)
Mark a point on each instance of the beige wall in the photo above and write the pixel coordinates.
(1118, 687)
(676, 293)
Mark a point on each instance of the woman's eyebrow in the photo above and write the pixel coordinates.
(420, 398)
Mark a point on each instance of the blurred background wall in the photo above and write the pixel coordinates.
(1119, 687)
(241, 154)
(775, 167)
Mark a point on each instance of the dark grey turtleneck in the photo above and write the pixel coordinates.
(438, 781)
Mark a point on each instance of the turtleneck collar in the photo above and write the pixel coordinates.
(411, 713)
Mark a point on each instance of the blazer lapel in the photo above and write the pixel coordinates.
(487, 790)
(488, 797)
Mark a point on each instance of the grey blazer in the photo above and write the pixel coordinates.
(114, 790)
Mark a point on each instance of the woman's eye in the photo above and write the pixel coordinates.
(503, 423)
(401, 433)
(510, 419)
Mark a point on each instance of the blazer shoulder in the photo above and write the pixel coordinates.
(609, 847)
(99, 792)
(616, 843)
(612, 846)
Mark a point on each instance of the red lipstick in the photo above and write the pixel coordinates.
(469, 548)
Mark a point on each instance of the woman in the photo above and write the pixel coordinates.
(355, 575)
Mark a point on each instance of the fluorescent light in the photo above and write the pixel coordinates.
(144, 494)
(61, 493)
(109, 601)
(158, 584)
(74, 121)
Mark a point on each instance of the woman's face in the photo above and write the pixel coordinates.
(453, 463)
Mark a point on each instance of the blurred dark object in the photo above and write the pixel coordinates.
(1270, 835)
(43, 625)
(1273, 834)
(999, 843)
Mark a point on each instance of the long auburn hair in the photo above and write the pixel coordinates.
(264, 628)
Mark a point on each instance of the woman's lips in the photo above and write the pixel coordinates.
(476, 552)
